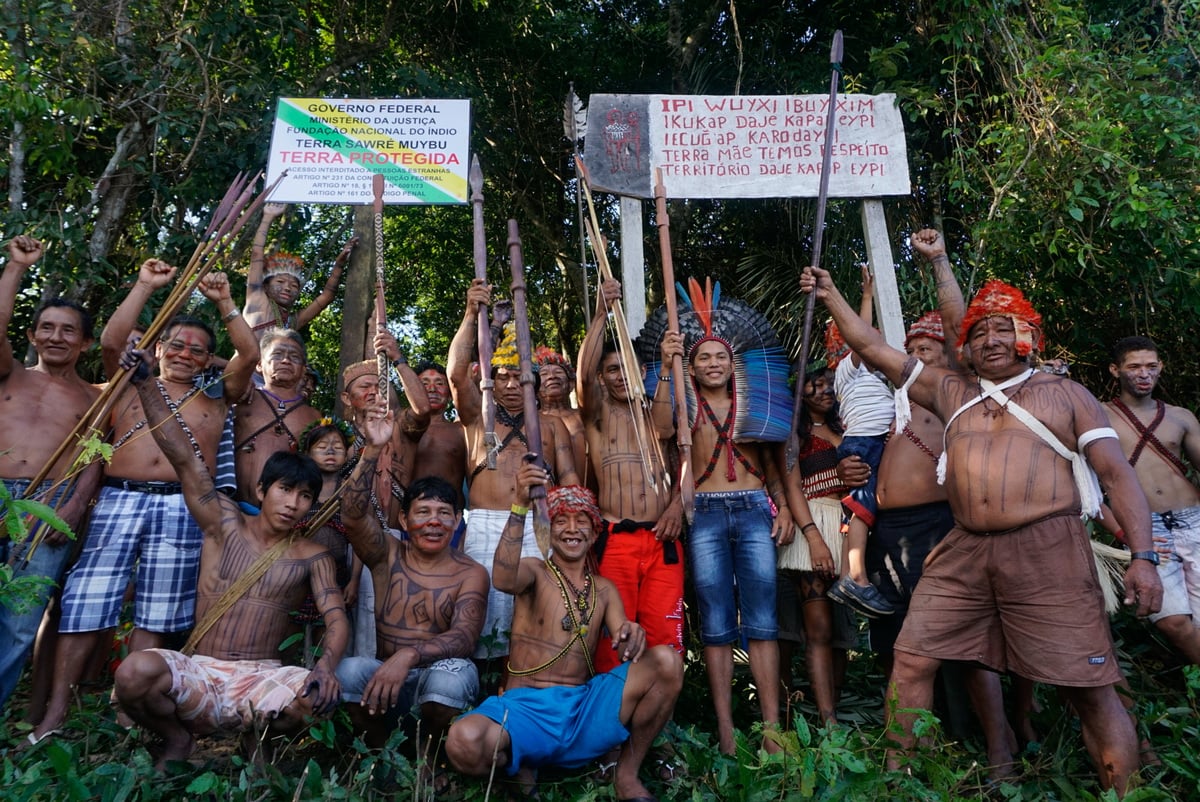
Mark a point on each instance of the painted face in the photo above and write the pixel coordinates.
(283, 506)
(1138, 373)
(612, 378)
(571, 535)
(362, 393)
(183, 353)
(712, 365)
(991, 347)
(282, 363)
(554, 381)
(430, 524)
(437, 389)
(330, 453)
(282, 289)
(58, 336)
(818, 393)
(928, 350)
(508, 390)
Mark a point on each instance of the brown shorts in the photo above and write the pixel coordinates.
(1026, 601)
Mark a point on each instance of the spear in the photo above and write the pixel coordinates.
(533, 425)
(232, 212)
(835, 59)
(483, 330)
(683, 431)
(381, 360)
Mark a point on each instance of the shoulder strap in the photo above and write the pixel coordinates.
(986, 390)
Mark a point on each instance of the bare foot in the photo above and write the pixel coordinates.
(173, 748)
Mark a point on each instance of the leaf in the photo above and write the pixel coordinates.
(1076, 213)
(202, 784)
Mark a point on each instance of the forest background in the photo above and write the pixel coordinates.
(1055, 143)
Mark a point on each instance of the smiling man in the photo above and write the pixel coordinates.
(430, 602)
(234, 681)
(1013, 586)
(140, 517)
(39, 407)
(556, 710)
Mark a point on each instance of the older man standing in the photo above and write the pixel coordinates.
(1013, 586)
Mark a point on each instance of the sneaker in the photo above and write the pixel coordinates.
(867, 600)
(835, 593)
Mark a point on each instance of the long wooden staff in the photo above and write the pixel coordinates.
(533, 425)
(627, 356)
(683, 429)
(483, 330)
(235, 208)
(835, 59)
(381, 360)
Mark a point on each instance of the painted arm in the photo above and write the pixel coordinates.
(562, 449)
(929, 243)
(417, 415)
(510, 573)
(329, 291)
(212, 510)
(468, 398)
(628, 637)
(662, 412)
(322, 688)
(363, 530)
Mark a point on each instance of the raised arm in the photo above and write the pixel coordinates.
(510, 573)
(210, 508)
(662, 412)
(929, 243)
(564, 452)
(591, 350)
(329, 291)
(23, 251)
(153, 275)
(256, 296)
(363, 529)
(415, 419)
(866, 341)
(240, 369)
(468, 398)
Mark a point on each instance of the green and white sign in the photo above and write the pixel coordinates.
(331, 148)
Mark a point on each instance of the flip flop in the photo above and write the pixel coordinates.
(34, 740)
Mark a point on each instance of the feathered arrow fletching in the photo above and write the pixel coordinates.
(574, 116)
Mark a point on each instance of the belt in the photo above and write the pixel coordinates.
(153, 488)
(626, 525)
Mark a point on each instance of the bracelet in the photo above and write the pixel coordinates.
(804, 528)
(1119, 535)
(230, 315)
(517, 509)
(665, 377)
(400, 360)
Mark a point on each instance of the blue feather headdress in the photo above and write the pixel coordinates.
(762, 398)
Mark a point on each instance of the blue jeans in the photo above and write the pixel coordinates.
(729, 546)
(861, 500)
(19, 629)
(452, 682)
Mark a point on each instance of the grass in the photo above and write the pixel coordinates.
(98, 760)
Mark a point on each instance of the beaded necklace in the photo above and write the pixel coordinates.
(174, 407)
(585, 600)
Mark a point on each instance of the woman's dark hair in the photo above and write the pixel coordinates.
(804, 426)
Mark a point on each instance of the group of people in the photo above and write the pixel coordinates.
(948, 507)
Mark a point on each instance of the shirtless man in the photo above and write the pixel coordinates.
(732, 537)
(1013, 586)
(234, 681)
(556, 710)
(1155, 437)
(270, 418)
(140, 515)
(555, 380)
(271, 294)
(442, 451)
(39, 407)
(430, 602)
(637, 551)
(491, 490)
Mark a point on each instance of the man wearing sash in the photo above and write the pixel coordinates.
(1013, 586)
(1155, 436)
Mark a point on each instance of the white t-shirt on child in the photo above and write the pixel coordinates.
(865, 401)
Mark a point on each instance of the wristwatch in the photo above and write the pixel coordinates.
(1149, 556)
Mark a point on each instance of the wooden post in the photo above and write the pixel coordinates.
(879, 253)
(633, 264)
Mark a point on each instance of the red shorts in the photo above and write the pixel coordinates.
(651, 589)
(1026, 601)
